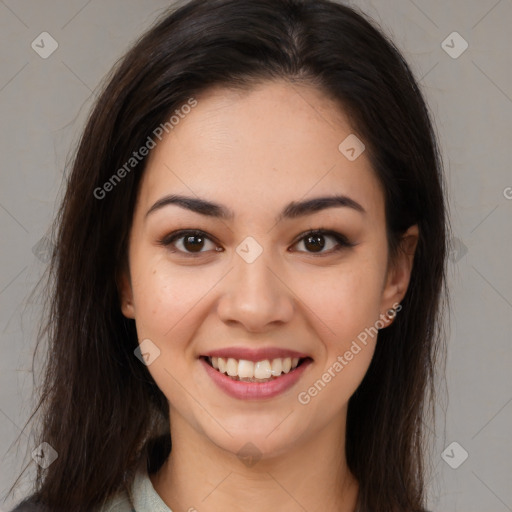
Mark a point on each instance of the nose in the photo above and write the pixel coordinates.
(256, 296)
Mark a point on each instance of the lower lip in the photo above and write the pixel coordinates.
(254, 390)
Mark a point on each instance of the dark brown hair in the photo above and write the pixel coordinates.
(99, 407)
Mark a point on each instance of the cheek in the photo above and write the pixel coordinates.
(346, 304)
(346, 299)
(168, 308)
(164, 300)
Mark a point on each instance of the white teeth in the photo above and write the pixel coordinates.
(277, 367)
(262, 370)
(249, 370)
(232, 367)
(245, 369)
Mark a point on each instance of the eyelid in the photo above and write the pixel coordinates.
(342, 240)
(171, 238)
(339, 237)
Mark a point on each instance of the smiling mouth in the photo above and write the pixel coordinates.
(249, 371)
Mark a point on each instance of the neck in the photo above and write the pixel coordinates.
(309, 476)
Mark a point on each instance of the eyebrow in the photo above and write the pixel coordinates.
(290, 211)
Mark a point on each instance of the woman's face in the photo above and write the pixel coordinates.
(253, 279)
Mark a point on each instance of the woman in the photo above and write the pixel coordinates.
(250, 262)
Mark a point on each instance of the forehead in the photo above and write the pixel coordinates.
(273, 144)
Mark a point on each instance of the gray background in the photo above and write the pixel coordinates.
(43, 105)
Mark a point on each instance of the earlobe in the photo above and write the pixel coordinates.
(125, 294)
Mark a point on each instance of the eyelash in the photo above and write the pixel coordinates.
(342, 240)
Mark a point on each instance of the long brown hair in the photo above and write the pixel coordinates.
(99, 407)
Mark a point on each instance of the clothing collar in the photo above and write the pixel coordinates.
(143, 494)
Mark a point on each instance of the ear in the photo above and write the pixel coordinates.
(124, 287)
(399, 271)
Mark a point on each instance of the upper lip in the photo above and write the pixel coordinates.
(254, 354)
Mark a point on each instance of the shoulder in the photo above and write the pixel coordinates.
(28, 505)
(119, 502)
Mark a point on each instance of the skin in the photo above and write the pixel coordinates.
(255, 152)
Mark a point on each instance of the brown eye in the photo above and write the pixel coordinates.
(188, 242)
(195, 242)
(315, 241)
